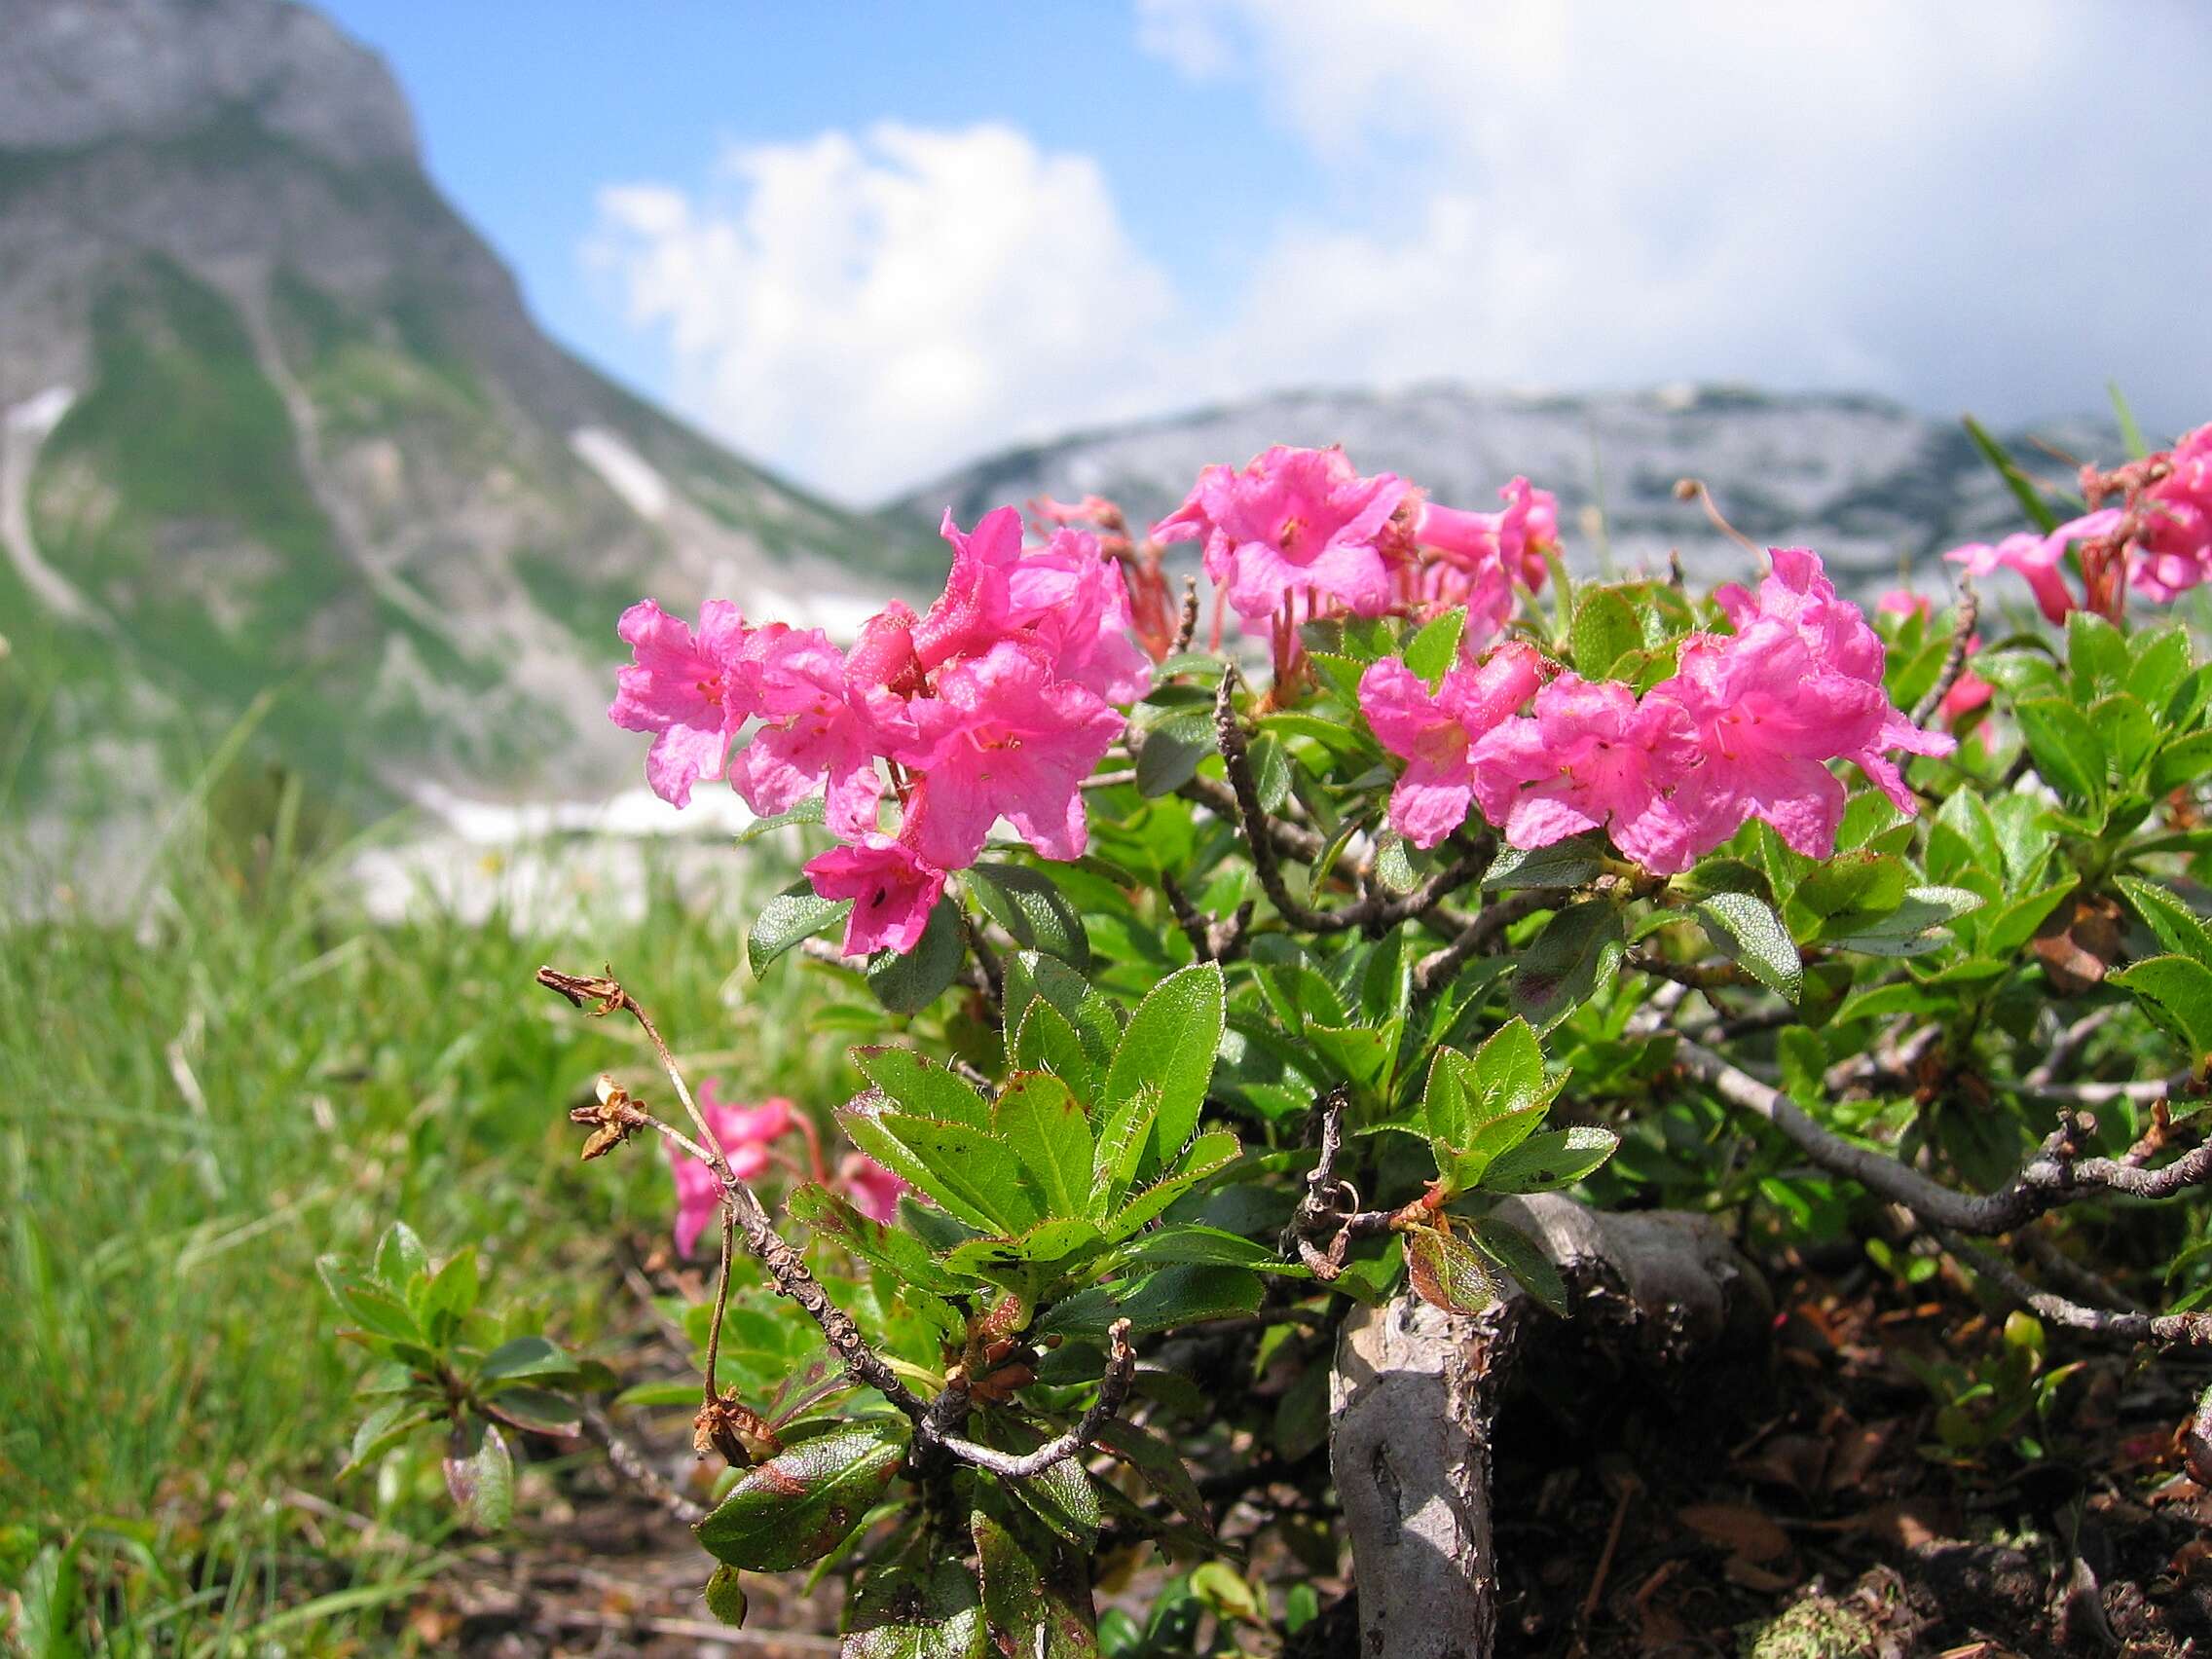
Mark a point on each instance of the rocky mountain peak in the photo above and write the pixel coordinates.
(77, 73)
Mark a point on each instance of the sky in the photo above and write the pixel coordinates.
(865, 241)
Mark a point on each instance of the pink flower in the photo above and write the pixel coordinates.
(2174, 551)
(1003, 738)
(874, 1189)
(1838, 639)
(974, 613)
(817, 727)
(892, 889)
(1073, 600)
(1436, 732)
(1293, 524)
(2039, 559)
(1767, 719)
(693, 692)
(743, 1133)
(1591, 758)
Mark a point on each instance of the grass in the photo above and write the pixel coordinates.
(237, 1076)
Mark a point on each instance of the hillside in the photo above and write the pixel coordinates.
(276, 419)
(1875, 486)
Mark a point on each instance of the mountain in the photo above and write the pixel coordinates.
(273, 418)
(1873, 485)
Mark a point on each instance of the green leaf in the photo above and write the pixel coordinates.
(924, 1606)
(525, 1356)
(2179, 927)
(862, 1119)
(365, 1304)
(1909, 929)
(400, 1255)
(1188, 1245)
(909, 983)
(1563, 864)
(383, 1430)
(1505, 1075)
(1555, 1158)
(1606, 630)
(2181, 764)
(2010, 929)
(1853, 885)
(812, 810)
(2096, 655)
(481, 1478)
(1579, 951)
(998, 1255)
(1032, 909)
(968, 1172)
(2160, 661)
(1172, 752)
(1046, 1042)
(1210, 1153)
(898, 1253)
(1446, 1274)
(1038, 1611)
(1169, 1299)
(450, 1295)
(1521, 1256)
(538, 1410)
(1031, 976)
(1748, 931)
(1431, 652)
(725, 1595)
(1167, 1053)
(792, 916)
(1038, 1115)
(916, 1083)
(2067, 751)
(2130, 433)
(801, 1504)
(1160, 1466)
(2177, 992)
(2024, 488)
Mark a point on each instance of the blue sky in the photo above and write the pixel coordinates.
(865, 241)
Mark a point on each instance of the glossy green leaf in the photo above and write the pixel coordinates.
(924, 1606)
(968, 1171)
(1547, 1162)
(2179, 927)
(790, 917)
(1173, 750)
(527, 1356)
(812, 810)
(1431, 652)
(1748, 931)
(1209, 1154)
(1168, 1300)
(914, 1083)
(1522, 1257)
(1563, 863)
(1038, 1610)
(725, 1596)
(1447, 1273)
(1045, 1041)
(1035, 913)
(2065, 747)
(1031, 976)
(909, 983)
(1579, 951)
(2177, 992)
(480, 1476)
(2023, 487)
(1606, 630)
(898, 1253)
(802, 1502)
(1040, 1117)
(1166, 1055)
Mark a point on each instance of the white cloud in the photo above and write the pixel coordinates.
(1993, 204)
(1912, 198)
(866, 310)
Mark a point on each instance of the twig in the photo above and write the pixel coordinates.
(1954, 659)
(2166, 1330)
(1377, 910)
(1189, 624)
(1481, 932)
(630, 1464)
(1693, 975)
(602, 995)
(2055, 1176)
(1112, 1389)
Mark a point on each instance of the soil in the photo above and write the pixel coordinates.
(1816, 1505)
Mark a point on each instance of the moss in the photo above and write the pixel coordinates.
(1816, 1627)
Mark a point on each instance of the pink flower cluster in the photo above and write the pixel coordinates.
(1300, 532)
(2160, 540)
(1746, 728)
(996, 704)
(745, 1134)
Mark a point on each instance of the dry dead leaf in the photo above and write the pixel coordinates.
(1737, 1528)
